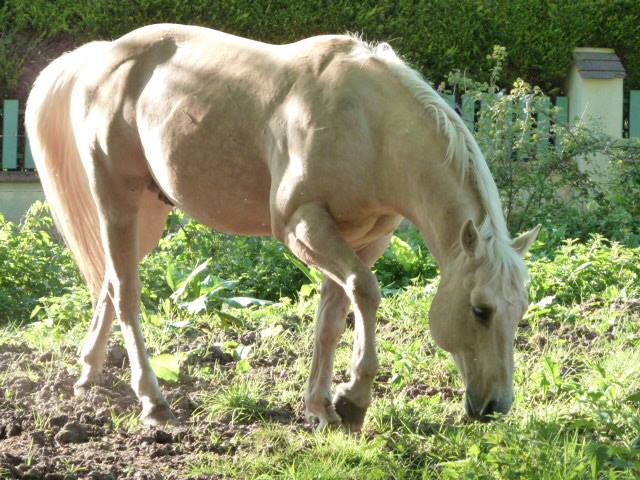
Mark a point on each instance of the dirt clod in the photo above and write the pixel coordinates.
(38, 438)
(117, 356)
(13, 429)
(160, 436)
(58, 421)
(248, 338)
(72, 432)
(45, 357)
(217, 355)
(22, 386)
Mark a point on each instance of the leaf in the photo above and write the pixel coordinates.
(181, 324)
(307, 290)
(634, 397)
(243, 366)
(243, 302)
(545, 301)
(311, 273)
(243, 352)
(170, 276)
(196, 306)
(271, 331)
(167, 366)
(403, 253)
(229, 320)
(583, 266)
(35, 312)
(187, 281)
(211, 286)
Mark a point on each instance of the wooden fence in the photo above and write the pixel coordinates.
(16, 154)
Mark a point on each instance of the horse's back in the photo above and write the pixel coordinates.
(231, 129)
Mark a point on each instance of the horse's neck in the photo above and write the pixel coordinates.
(446, 204)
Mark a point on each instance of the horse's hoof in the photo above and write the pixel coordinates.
(159, 414)
(351, 414)
(81, 389)
(82, 386)
(328, 419)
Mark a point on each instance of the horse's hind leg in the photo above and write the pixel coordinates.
(313, 236)
(92, 357)
(93, 351)
(119, 200)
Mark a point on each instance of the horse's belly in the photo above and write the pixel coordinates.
(224, 190)
(225, 198)
(210, 161)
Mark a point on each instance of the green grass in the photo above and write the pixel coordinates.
(577, 408)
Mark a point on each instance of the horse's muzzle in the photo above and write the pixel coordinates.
(488, 411)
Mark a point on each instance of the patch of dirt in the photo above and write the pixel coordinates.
(421, 390)
(48, 433)
(551, 331)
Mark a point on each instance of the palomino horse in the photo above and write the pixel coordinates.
(326, 144)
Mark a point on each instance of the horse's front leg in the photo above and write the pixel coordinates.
(313, 236)
(329, 327)
(352, 397)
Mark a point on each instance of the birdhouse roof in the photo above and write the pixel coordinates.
(598, 64)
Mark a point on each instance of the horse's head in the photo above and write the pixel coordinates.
(480, 300)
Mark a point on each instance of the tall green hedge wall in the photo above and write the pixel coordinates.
(436, 36)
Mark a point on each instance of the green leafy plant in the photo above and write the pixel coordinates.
(534, 159)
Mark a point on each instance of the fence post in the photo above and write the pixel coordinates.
(468, 111)
(28, 158)
(634, 113)
(10, 134)
(563, 110)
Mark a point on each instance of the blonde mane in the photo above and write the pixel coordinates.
(464, 154)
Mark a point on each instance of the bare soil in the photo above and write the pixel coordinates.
(48, 433)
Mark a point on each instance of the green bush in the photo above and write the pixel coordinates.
(596, 270)
(437, 36)
(534, 160)
(33, 264)
(258, 264)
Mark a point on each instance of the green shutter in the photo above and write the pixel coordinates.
(634, 113)
(28, 158)
(563, 105)
(450, 99)
(10, 134)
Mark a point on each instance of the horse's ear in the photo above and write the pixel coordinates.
(523, 243)
(469, 238)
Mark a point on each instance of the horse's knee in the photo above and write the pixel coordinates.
(365, 290)
(330, 332)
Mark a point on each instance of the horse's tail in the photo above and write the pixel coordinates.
(64, 180)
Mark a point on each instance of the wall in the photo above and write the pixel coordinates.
(17, 193)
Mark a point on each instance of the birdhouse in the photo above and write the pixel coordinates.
(594, 88)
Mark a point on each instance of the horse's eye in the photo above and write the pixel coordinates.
(482, 313)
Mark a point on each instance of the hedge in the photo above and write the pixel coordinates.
(436, 36)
